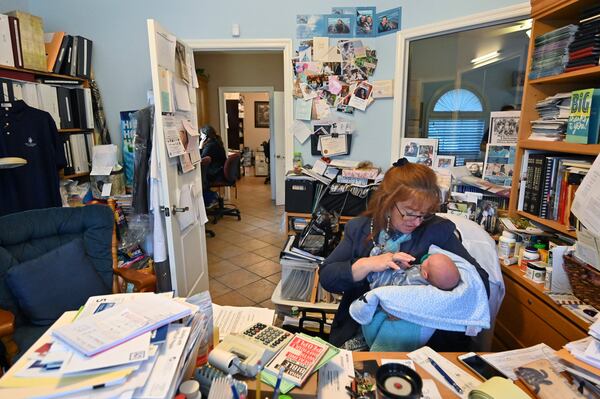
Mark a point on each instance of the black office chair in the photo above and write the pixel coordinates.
(267, 150)
(231, 174)
(204, 162)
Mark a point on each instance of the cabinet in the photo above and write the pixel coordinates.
(550, 15)
(21, 75)
(528, 317)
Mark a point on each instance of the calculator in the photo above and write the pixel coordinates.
(273, 337)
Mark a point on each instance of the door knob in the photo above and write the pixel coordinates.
(176, 209)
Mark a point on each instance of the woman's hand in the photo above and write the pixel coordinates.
(362, 267)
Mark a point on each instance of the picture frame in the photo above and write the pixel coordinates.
(262, 113)
(499, 164)
(444, 161)
(504, 127)
(417, 150)
(339, 25)
(365, 22)
(388, 21)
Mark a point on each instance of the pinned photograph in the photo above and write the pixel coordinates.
(351, 49)
(329, 98)
(360, 95)
(365, 21)
(317, 82)
(343, 10)
(368, 63)
(444, 161)
(339, 25)
(383, 88)
(504, 127)
(499, 164)
(418, 150)
(332, 68)
(388, 21)
(343, 106)
(307, 91)
(308, 26)
(352, 73)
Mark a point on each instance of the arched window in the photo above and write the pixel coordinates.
(456, 119)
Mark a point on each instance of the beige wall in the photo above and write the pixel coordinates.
(238, 70)
(253, 136)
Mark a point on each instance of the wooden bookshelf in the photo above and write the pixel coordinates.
(75, 130)
(75, 175)
(12, 73)
(549, 15)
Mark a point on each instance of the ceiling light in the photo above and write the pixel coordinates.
(485, 57)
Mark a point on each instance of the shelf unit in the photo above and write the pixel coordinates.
(32, 75)
(547, 16)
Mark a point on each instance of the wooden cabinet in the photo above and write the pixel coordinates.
(528, 316)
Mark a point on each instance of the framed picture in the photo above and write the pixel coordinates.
(339, 25)
(388, 21)
(261, 114)
(499, 164)
(504, 127)
(444, 161)
(421, 151)
(364, 25)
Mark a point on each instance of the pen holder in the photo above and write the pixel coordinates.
(397, 381)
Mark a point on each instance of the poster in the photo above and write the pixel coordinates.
(499, 164)
(422, 151)
(128, 127)
(504, 127)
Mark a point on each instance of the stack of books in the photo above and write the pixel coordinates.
(549, 184)
(122, 345)
(581, 360)
(554, 114)
(551, 52)
(584, 52)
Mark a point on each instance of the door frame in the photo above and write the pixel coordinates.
(245, 89)
(403, 39)
(284, 45)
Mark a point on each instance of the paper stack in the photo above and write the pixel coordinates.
(551, 52)
(123, 345)
(582, 359)
(554, 113)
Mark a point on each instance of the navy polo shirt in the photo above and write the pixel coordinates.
(31, 134)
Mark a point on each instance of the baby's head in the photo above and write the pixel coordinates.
(440, 271)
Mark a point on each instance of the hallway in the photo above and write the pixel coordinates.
(243, 257)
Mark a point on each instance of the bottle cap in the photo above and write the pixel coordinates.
(508, 234)
(189, 388)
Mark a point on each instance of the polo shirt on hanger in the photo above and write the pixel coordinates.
(31, 134)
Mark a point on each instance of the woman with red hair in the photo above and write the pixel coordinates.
(398, 227)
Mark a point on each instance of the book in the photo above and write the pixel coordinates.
(31, 29)
(15, 40)
(74, 53)
(6, 50)
(84, 57)
(584, 119)
(299, 357)
(52, 43)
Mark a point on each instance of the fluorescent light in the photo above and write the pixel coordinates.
(485, 57)
(528, 33)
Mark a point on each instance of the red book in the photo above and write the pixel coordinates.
(563, 196)
(15, 38)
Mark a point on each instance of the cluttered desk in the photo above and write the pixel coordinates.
(147, 345)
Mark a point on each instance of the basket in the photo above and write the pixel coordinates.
(584, 279)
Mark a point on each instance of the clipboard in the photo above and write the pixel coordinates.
(314, 143)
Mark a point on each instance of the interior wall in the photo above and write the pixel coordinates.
(253, 136)
(121, 61)
(238, 70)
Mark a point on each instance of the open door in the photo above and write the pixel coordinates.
(186, 240)
(278, 166)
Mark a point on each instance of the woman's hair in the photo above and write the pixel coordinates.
(211, 133)
(403, 182)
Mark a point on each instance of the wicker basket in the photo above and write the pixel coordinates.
(584, 279)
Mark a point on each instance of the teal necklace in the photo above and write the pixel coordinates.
(387, 241)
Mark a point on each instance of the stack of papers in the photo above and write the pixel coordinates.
(581, 358)
(124, 345)
(554, 113)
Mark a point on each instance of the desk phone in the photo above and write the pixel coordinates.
(241, 353)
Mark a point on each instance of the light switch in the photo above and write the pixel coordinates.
(235, 30)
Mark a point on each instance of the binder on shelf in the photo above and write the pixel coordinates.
(6, 50)
(64, 56)
(84, 57)
(52, 43)
(64, 107)
(6, 90)
(48, 101)
(89, 117)
(15, 40)
(68, 170)
(78, 109)
(73, 62)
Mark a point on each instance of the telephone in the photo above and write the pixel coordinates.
(242, 353)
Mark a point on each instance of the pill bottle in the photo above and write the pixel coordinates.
(530, 254)
(506, 245)
(536, 271)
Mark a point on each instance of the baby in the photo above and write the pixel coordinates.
(435, 269)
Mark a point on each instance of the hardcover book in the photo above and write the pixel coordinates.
(584, 119)
(299, 358)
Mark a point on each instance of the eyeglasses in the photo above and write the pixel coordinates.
(410, 217)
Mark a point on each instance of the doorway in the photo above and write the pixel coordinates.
(233, 63)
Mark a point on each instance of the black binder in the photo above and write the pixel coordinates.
(62, 54)
(84, 57)
(65, 108)
(78, 108)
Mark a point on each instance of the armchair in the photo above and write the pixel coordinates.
(26, 236)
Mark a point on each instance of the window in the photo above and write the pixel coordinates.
(457, 121)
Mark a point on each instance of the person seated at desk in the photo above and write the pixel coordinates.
(211, 146)
(399, 221)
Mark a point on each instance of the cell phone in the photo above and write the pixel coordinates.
(479, 366)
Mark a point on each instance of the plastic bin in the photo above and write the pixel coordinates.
(297, 279)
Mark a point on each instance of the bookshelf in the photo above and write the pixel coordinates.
(547, 16)
(32, 76)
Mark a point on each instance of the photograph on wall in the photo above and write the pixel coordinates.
(499, 164)
(329, 98)
(421, 151)
(261, 114)
(365, 21)
(332, 68)
(339, 25)
(351, 49)
(307, 91)
(444, 161)
(308, 26)
(360, 95)
(486, 215)
(343, 10)
(343, 106)
(368, 63)
(352, 73)
(317, 82)
(388, 21)
(504, 127)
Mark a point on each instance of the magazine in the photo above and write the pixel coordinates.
(299, 358)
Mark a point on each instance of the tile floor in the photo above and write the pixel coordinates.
(243, 257)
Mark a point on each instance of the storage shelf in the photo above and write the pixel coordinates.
(76, 130)
(40, 73)
(75, 176)
(579, 76)
(560, 146)
(549, 223)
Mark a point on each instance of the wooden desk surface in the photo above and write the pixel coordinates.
(452, 356)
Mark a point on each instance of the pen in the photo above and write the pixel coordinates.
(445, 375)
(234, 391)
(278, 383)
(258, 382)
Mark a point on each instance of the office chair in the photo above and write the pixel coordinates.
(267, 150)
(231, 174)
(204, 162)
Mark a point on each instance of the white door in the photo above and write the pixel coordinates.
(278, 167)
(186, 247)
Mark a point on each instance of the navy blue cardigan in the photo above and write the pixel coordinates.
(336, 272)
